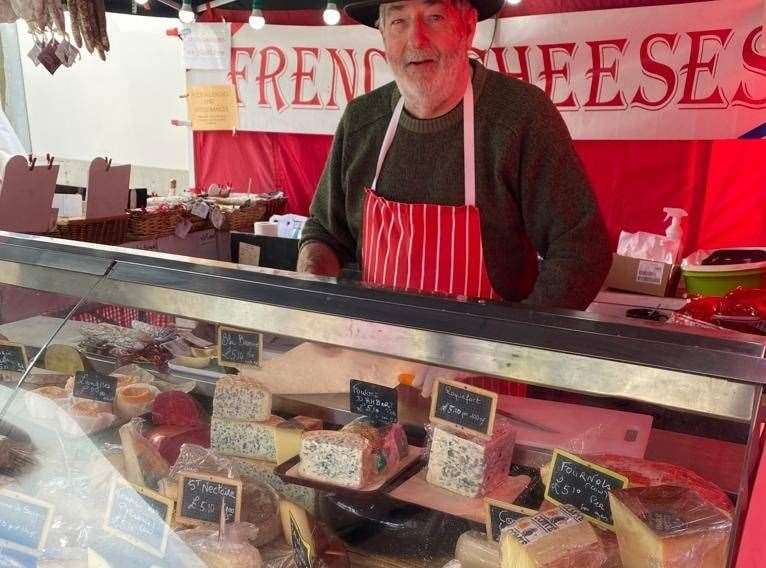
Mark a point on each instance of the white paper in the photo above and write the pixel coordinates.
(200, 209)
(249, 254)
(650, 272)
(208, 46)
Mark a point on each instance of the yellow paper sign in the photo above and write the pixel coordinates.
(213, 107)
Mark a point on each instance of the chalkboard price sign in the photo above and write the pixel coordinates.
(376, 402)
(24, 520)
(237, 347)
(94, 386)
(200, 498)
(464, 407)
(499, 515)
(13, 357)
(583, 485)
(139, 515)
(302, 553)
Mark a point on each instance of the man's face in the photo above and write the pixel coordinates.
(426, 42)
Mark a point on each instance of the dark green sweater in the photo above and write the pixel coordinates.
(532, 193)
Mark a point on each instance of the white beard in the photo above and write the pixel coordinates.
(428, 90)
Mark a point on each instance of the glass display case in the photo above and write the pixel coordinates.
(167, 411)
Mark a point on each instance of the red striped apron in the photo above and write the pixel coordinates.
(427, 248)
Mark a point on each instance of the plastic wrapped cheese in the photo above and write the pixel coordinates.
(300, 495)
(134, 400)
(646, 473)
(388, 442)
(240, 398)
(233, 551)
(557, 538)
(669, 527)
(468, 464)
(260, 507)
(338, 458)
(143, 463)
(246, 439)
(475, 550)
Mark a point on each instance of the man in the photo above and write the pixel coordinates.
(452, 179)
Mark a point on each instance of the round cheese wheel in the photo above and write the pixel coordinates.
(52, 392)
(134, 400)
(84, 407)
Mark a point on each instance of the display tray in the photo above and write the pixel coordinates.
(289, 472)
(418, 491)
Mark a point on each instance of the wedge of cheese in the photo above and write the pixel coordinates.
(337, 458)
(256, 440)
(470, 465)
(669, 527)
(240, 398)
(557, 538)
(288, 436)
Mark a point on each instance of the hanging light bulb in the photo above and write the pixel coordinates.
(257, 21)
(142, 2)
(331, 14)
(186, 13)
(514, 2)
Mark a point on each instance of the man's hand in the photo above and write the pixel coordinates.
(317, 258)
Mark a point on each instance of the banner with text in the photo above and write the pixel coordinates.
(660, 72)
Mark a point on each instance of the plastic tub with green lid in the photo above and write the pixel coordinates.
(715, 272)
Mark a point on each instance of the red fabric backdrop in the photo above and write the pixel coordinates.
(721, 184)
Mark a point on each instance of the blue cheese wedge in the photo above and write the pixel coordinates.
(255, 440)
(239, 398)
(469, 465)
(337, 458)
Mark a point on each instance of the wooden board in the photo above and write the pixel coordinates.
(418, 491)
(26, 197)
(578, 429)
(108, 190)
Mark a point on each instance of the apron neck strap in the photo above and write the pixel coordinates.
(469, 157)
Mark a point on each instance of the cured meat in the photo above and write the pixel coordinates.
(56, 14)
(7, 13)
(176, 408)
(168, 439)
(645, 473)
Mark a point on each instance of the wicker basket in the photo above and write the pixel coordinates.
(274, 206)
(243, 218)
(198, 223)
(153, 224)
(104, 230)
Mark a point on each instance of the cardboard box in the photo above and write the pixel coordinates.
(642, 276)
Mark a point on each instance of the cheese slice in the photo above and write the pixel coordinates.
(239, 398)
(256, 440)
(475, 550)
(557, 538)
(288, 436)
(668, 527)
(305, 523)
